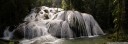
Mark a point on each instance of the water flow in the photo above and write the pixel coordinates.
(7, 35)
(49, 24)
(92, 27)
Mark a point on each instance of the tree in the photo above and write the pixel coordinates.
(120, 13)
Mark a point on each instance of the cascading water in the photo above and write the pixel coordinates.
(7, 34)
(49, 24)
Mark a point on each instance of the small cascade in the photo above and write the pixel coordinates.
(76, 23)
(46, 25)
(7, 34)
(92, 27)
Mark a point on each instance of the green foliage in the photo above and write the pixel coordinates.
(46, 2)
(11, 42)
(66, 4)
(118, 12)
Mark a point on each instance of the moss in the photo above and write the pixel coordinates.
(11, 42)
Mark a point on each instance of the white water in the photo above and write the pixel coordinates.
(7, 34)
(50, 24)
(47, 39)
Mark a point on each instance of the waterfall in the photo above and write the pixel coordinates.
(92, 27)
(7, 34)
(47, 25)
